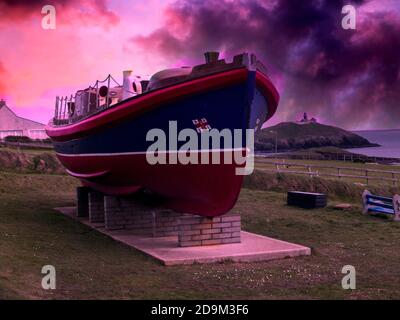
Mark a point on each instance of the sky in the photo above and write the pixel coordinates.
(347, 78)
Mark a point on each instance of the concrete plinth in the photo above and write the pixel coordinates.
(96, 207)
(251, 248)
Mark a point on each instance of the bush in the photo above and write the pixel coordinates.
(360, 161)
(25, 161)
(22, 139)
(47, 141)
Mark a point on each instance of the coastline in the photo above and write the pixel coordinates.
(387, 139)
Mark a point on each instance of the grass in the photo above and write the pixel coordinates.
(29, 161)
(338, 190)
(25, 149)
(90, 265)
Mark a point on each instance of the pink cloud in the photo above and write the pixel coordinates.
(87, 44)
(3, 75)
(68, 11)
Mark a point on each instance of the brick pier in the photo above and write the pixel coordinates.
(96, 207)
(124, 213)
(202, 231)
(82, 199)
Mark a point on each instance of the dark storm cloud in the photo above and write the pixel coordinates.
(346, 77)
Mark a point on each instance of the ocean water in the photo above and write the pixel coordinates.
(388, 139)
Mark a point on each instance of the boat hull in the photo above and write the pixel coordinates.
(110, 153)
(208, 190)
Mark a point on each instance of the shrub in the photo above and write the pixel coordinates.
(22, 139)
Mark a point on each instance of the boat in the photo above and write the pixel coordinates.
(106, 135)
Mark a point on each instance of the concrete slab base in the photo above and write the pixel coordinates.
(252, 248)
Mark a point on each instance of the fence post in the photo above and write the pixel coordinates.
(394, 179)
(60, 109)
(366, 175)
(97, 94)
(108, 91)
(65, 107)
(365, 201)
(396, 207)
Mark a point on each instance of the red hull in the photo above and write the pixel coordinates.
(190, 188)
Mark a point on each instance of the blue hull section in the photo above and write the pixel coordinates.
(234, 107)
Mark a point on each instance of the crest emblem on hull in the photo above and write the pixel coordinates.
(201, 125)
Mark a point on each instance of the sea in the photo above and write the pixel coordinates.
(388, 139)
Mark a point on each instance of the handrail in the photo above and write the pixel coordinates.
(330, 175)
(62, 112)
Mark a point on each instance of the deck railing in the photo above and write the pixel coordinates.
(65, 112)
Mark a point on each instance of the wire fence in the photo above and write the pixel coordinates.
(369, 176)
(331, 156)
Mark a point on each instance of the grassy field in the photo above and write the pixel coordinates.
(90, 265)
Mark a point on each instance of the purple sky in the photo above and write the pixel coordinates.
(349, 78)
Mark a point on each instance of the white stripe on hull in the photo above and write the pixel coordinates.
(145, 152)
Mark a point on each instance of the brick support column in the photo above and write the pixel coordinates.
(166, 223)
(126, 213)
(96, 207)
(82, 199)
(202, 231)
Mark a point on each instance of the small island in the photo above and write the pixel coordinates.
(305, 134)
